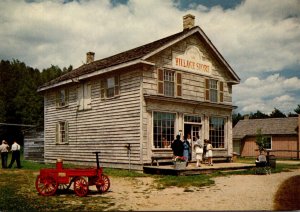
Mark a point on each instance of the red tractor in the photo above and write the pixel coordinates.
(50, 180)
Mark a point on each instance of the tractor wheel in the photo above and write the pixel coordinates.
(46, 186)
(81, 186)
(103, 183)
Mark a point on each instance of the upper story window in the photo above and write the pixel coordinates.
(62, 98)
(169, 82)
(214, 90)
(110, 87)
(84, 92)
(62, 132)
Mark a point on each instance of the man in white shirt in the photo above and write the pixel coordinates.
(15, 148)
(4, 154)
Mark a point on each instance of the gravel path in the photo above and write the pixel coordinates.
(236, 192)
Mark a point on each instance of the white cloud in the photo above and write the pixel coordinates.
(266, 94)
(256, 37)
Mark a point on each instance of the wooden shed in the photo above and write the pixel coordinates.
(281, 134)
(130, 106)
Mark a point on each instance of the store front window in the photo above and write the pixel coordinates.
(217, 131)
(163, 129)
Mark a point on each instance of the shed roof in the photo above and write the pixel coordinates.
(134, 56)
(271, 126)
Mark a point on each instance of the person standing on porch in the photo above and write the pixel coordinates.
(189, 139)
(199, 151)
(15, 148)
(177, 147)
(209, 153)
(186, 149)
(4, 153)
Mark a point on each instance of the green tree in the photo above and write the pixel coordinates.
(297, 110)
(260, 141)
(277, 114)
(258, 115)
(236, 118)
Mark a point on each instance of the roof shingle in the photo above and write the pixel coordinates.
(271, 126)
(120, 58)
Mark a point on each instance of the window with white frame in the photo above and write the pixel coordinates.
(110, 87)
(169, 83)
(169, 78)
(214, 90)
(62, 132)
(268, 142)
(163, 129)
(84, 96)
(62, 98)
(217, 131)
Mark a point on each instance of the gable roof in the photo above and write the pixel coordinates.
(271, 126)
(134, 56)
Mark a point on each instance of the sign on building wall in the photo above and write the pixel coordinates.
(191, 60)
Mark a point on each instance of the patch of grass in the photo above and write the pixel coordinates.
(287, 197)
(124, 173)
(18, 193)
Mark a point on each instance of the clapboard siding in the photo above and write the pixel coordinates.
(34, 145)
(107, 127)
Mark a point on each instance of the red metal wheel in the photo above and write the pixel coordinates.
(103, 183)
(81, 186)
(46, 186)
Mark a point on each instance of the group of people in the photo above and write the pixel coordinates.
(15, 149)
(184, 149)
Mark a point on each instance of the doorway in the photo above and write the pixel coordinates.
(193, 130)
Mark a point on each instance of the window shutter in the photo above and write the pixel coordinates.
(57, 96)
(207, 89)
(87, 95)
(57, 133)
(160, 79)
(66, 132)
(221, 86)
(117, 86)
(67, 97)
(102, 89)
(179, 84)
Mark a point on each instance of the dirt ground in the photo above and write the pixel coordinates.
(236, 192)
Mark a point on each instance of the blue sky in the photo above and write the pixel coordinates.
(259, 39)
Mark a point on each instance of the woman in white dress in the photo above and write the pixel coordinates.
(209, 153)
(198, 151)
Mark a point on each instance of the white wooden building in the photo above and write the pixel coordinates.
(178, 84)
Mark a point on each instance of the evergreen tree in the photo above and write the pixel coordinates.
(277, 114)
(258, 115)
(236, 118)
(297, 110)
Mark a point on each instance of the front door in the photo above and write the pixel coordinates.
(193, 130)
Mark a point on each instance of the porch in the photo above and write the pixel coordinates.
(191, 169)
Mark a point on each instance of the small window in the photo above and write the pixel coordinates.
(110, 87)
(62, 98)
(192, 119)
(62, 132)
(268, 143)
